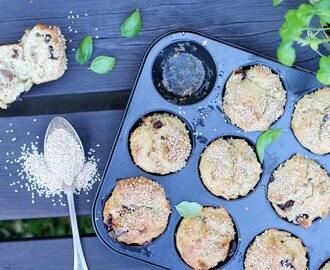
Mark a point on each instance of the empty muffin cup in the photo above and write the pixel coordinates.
(184, 72)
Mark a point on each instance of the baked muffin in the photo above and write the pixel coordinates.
(137, 211)
(276, 250)
(11, 87)
(311, 121)
(207, 239)
(326, 266)
(229, 168)
(161, 144)
(44, 51)
(254, 98)
(39, 57)
(299, 190)
(14, 74)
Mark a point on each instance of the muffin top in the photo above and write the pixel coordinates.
(229, 168)
(137, 211)
(161, 144)
(254, 98)
(326, 266)
(300, 191)
(311, 121)
(276, 250)
(206, 239)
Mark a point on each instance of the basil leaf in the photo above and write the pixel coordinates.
(266, 139)
(132, 25)
(188, 209)
(85, 50)
(277, 2)
(102, 64)
(286, 54)
(323, 74)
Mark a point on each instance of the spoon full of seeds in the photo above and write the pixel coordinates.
(65, 157)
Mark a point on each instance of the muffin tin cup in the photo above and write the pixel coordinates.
(206, 121)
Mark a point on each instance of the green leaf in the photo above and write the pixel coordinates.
(132, 25)
(277, 2)
(85, 50)
(323, 74)
(188, 209)
(103, 64)
(325, 63)
(304, 14)
(314, 43)
(286, 54)
(323, 77)
(266, 139)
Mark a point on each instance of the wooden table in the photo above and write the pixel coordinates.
(94, 103)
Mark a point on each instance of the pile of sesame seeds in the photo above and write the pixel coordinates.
(63, 156)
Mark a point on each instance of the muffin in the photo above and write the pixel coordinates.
(276, 250)
(161, 144)
(137, 211)
(11, 87)
(44, 51)
(207, 239)
(254, 98)
(299, 191)
(326, 266)
(311, 121)
(229, 168)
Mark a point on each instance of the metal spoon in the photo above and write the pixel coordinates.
(79, 259)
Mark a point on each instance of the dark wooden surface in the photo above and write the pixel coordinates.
(94, 128)
(250, 24)
(57, 254)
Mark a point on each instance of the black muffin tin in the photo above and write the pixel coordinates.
(206, 121)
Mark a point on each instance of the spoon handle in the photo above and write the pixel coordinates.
(79, 259)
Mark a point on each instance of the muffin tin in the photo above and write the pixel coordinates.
(203, 115)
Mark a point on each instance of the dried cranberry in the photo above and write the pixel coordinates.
(232, 247)
(15, 53)
(7, 74)
(47, 38)
(286, 205)
(162, 138)
(326, 118)
(271, 178)
(287, 263)
(108, 222)
(157, 124)
(302, 216)
(242, 72)
(51, 51)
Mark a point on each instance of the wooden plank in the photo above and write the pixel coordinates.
(94, 128)
(251, 24)
(54, 254)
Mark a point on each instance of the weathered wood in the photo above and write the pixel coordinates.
(54, 254)
(251, 24)
(94, 128)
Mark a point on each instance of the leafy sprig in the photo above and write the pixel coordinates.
(297, 29)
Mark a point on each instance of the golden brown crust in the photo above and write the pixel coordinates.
(254, 98)
(161, 144)
(326, 266)
(311, 121)
(137, 211)
(276, 250)
(300, 191)
(229, 168)
(204, 241)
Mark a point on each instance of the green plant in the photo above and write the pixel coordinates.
(266, 139)
(297, 29)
